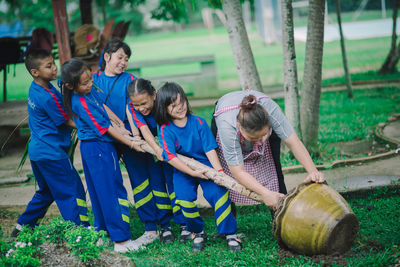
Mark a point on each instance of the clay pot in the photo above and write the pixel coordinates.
(315, 219)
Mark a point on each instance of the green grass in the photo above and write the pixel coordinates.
(343, 119)
(363, 56)
(260, 247)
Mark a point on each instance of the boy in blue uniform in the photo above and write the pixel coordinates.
(187, 134)
(50, 139)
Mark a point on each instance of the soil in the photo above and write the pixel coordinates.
(54, 255)
(324, 260)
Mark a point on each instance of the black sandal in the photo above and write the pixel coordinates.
(234, 243)
(199, 241)
(185, 235)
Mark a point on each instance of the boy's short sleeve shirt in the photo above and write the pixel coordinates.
(50, 137)
(139, 120)
(92, 120)
(193, 140)
(118, 98)
(227, 124)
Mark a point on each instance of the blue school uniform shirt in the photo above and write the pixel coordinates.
(92, 120)
(118, 98)
(139, 120)
(193, 140)
(50, 137)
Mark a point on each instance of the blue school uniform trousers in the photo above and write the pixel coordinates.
(55, 175)
(100, 163)
(194, 140)
(160, 176)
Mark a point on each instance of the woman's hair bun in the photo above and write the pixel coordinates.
(249, 103)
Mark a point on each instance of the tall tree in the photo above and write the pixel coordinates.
(242, 53)
(85, 7)
(392, 58)
(290, 83)
(311, 89)
(344, 57)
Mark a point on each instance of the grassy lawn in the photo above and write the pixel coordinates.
(363, 55)
(375, 245)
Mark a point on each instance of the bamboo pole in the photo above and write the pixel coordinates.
(212, 174)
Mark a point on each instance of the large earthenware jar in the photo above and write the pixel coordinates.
(315, 219)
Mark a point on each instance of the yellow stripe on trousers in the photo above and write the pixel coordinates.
(141, 187)
(144, 200)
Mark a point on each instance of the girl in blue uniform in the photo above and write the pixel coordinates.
(51, 137)
(114, 82)
(142, 95)
(99, 158)
(187, 134)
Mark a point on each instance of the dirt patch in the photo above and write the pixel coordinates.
(53, 255)
(10, 214)
(324, 260)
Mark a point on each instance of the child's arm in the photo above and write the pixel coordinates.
(70, 122)
(146, 133)
(180, 165)
(214, 160)
(148, 136)
(116, 122)
(130, 142)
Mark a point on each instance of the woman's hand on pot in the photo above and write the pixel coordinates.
(271, 199)
(315, 176)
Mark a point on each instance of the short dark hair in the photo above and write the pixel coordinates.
(252, 116)
(166, 95)
(32, 59)
(140, 86)
(111, 47)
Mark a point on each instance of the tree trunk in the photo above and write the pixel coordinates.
(244, 60)
(85, 7)
(311, 90)
(290, 84)
(61, 29)
(393, 56)
(344, 57)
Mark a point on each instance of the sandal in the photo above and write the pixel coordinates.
(234, 243)
(185, 235)
(166, 236)
(199, 241)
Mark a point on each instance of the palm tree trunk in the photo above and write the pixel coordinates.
(244, 60)
(344, 57)
(290, 84)
(311, 90)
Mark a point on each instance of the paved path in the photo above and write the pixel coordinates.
(352, 30)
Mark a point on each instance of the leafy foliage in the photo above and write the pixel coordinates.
(26, 249)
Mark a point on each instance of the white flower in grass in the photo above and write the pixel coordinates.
(78, 239)
(29, 244)
(20, 244)
(9, 252)
(89, 227)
